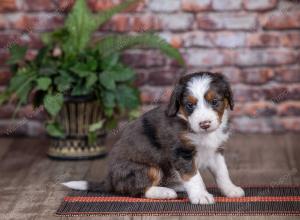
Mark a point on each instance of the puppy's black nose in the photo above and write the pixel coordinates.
(204, 124)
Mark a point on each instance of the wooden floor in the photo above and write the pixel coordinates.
(30, 182)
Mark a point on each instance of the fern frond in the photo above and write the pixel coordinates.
(112, 44)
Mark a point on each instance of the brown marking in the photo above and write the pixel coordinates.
(183, 113)
(192, 99)
(185, 140)
(209, 95)
(155, 176)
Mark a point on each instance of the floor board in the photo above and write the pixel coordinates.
(30, 182)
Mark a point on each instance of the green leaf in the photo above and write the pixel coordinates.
(107, 80)
(3, 97)
(96, 126)
(80, 89)
(92, 138)
(53, 103)
(63, 81)
(91, 80)
(108, 99)
(122, 74)
(81, 70)
(80, 24)
(127, 97)
(43, 83)
(113, 44)
(17, 53)
(55, 130)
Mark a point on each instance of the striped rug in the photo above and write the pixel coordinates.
(279, 200)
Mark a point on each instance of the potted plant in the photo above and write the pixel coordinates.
(83, 86)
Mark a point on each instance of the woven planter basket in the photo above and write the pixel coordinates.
(76, 116)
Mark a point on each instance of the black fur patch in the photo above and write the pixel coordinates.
(150, 132)
(185, 153)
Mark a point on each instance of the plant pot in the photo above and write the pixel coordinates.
(75, 117)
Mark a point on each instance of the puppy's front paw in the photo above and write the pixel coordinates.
(202, 198)
(234, 192)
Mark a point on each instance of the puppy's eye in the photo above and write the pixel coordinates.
(189, 106)
(215, 102)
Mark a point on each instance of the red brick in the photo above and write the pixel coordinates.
(244, 93)
(38, 5)
(7, 39)
(290, 123)
(263, 39)
(197, 38)
(176, 22)
(226, 5)
(65, 5)
(291, 39)
(228, 39)
(162, 77)
(8, 5)
(260, 5)
(258, 109)
(3, 22)
(287, 74)
(29, 23)
(164, 6)
(196, 5)
(257, 75)
(289, 108)
(3, 57)
(256, 125)
(233, 74)
(280, 20)
(6, 111)
(143, 23)
(155, 95)
(101, 5)
(226, 21)
(205, 58)
(257, 57)
(279, 93)
(4, 76)
(144, 59)
(119, 23)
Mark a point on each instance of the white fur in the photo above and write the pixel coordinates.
(206, 157)
(157, 192)
(202, 112)
(196, 190)
(79, 185)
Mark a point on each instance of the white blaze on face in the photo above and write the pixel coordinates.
(203, 111)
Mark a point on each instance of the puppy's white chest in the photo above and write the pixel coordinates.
(206, 146)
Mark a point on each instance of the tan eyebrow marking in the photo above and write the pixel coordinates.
(210, 95)
(192, 99)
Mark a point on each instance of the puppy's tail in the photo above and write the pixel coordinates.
(89, 186)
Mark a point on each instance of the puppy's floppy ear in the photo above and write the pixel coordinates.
(228, 94)
(174, 102)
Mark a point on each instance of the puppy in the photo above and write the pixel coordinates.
(163, 151)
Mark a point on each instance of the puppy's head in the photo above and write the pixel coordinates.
(202, 99)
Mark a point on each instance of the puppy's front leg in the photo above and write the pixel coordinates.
(190, 176)
(219, 169)
(196, 190)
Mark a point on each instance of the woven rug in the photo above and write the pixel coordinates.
(281, 200)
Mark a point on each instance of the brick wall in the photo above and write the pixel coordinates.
(256, 43)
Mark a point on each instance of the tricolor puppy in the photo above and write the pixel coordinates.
(164, 150)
